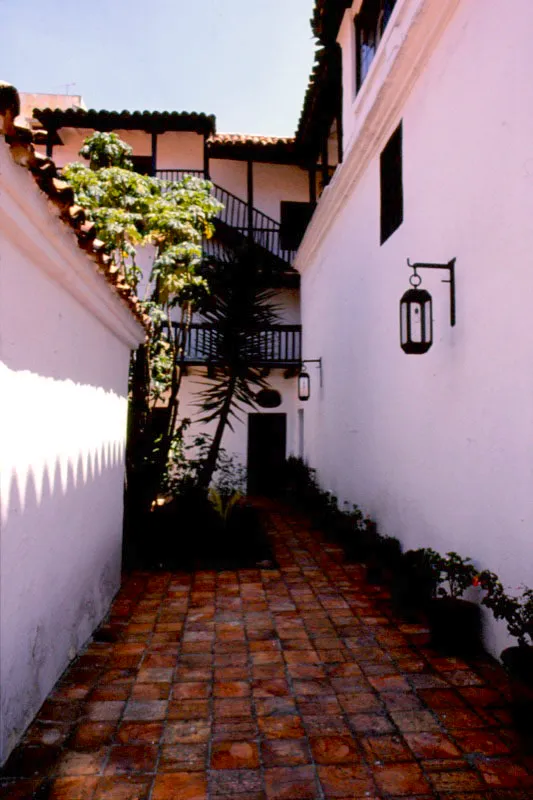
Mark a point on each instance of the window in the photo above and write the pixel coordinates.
(369, 26)
(294, 219)
(391, 180)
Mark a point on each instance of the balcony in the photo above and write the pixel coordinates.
(276, 346)
(238, 221)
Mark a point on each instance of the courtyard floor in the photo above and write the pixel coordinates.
(289, 684)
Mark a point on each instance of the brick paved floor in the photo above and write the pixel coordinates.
(281, 685)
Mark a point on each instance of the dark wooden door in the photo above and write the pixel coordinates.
(267, 442)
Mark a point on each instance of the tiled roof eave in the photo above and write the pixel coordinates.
(149, 121)
(20, 140)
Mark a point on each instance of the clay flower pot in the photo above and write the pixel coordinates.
(518, 663)
(456, 627)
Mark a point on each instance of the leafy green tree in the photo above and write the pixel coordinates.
(131, 211)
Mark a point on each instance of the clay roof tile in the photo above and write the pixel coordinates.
(21, 141)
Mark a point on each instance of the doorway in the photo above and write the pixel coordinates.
(267, 442)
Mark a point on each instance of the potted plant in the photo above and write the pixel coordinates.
(455, 623)
(518, 659)
(383, 557)
(414, 583)
(358, 535)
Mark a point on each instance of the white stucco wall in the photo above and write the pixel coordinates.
(235, 441)
(272, 183)
(180, 150)
(438, 448)
(65, 339)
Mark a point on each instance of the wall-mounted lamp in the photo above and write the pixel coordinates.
(416, 309)
(304, 381)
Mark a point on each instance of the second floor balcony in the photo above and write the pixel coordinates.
(275, 346)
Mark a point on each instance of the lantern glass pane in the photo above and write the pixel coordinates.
(303, 386)
(416, 321)
(429, 323)
(403, 322)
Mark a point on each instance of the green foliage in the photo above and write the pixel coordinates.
(450, 575)
(516, 611)
(106, 150)
(223, 503)
(457, 573)
(130, 211)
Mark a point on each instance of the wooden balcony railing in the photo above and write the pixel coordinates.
(278, 345)
(264, 232)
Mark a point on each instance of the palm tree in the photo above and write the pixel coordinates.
(241, 308)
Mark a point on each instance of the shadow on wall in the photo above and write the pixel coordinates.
(60, 548)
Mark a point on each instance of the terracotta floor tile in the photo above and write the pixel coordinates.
(81, 762)
(290, 783)
(334, 750)
(429, 744)
(270, 688)
(486, 743)
(241, 783)
(72, 788)
(285, 752)
(281, 727)
(180, 786)
(386, 749)
(191, 690)
(246, 685)
(122, 788)
(131, 758)
(265, 706)
(401, 779)
(235, 731)
(346, 781)
(234, 755)
(183, 758)
(232, 708)
(232, 689)
(186, 732)
(370, 723)
(148, 710)
(360, 702)
(139, 732)
(107, 693)
(188, 709)
(414, 721)
(504, 773)
(450, 782)
(151, 691)
(104, 711)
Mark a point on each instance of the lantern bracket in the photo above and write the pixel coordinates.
(317, 361)
(450, 266)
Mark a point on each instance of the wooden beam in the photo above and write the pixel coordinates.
(325, 157)
(154, 153)
(339, 137)
(50, 144)
(312, 184)
(206, 158)
(250, 195)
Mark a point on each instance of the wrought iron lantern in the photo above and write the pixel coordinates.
(304, 381)
(304, 385)
(416, 310)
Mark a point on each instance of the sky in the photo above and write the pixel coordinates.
(246, 61)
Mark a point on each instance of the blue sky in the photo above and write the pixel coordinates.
(247, 61)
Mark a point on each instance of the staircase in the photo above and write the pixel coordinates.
(232, 224)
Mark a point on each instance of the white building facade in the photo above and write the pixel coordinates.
(437, 447)
(65, 342)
